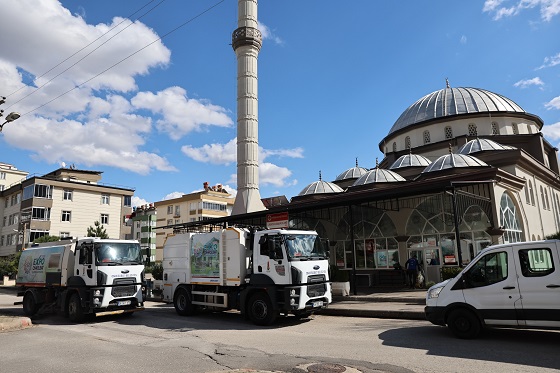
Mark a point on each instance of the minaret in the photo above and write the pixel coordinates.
(246, 42)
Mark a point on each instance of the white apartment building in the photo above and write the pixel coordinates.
(62, 203)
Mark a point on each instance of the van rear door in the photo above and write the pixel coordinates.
(539, 283)
(490, 285)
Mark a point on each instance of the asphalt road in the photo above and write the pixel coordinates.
(157, 339)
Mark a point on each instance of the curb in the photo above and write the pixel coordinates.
(14, 323)
(380, 314)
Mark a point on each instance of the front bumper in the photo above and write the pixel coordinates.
(435, 315)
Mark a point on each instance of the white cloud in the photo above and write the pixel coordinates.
(137, 201)
(463, 39)
(181, 115)
(552, 131)
(223, 154)
(550, 62)
(267, 33)
(173, 195)
(548, 8)
(529, 82)
(553, 104)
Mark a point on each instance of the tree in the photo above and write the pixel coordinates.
(97, 231)
(9, 265)
(47, 238)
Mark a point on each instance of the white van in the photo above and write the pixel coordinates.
(509, 285)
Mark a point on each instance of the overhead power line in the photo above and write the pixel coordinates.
(127, 57)
(88, 54)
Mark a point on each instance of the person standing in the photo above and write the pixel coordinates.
(412, 270)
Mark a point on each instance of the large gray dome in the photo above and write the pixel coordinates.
(378, 175)
(480, 145)
(320, 187)
(410, 160)
(451, 160)
(454, 101)
(352, 173)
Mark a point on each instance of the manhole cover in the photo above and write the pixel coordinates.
(326, 368)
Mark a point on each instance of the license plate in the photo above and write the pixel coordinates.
(318, 304)
(123, 303)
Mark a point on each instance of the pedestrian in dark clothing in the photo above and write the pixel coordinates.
(412, 270)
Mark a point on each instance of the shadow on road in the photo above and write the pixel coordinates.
(514, 346)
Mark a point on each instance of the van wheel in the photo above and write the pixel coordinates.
(464, 324)
(261, 311)
(75, 310)
(30, 308)
(183, 303)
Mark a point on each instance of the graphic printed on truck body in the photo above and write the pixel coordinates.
(205, 258)
(36, 263)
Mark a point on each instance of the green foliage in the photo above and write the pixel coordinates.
(156, 269)
(97, 231)
(429, 284)
(337, 274)
(9, 265)
(555, 236)
(47, 238)
(449, 272)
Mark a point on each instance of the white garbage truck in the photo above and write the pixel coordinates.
(261, 273)
(82, 277)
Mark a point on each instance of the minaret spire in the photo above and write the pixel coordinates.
(246, 42)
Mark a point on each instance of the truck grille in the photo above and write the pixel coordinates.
(123, 288)
(316, 290)
(316, 278)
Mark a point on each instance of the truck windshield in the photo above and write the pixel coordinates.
(118, 253)
(304, 247)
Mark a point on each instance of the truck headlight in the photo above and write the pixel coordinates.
(97, 293)
(434, 293)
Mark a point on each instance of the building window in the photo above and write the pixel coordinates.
(426, 137)
(38, 191)
(542, 198)
(407, 142)
(531, 193)
(64, 234)
(6, 202)
(169, 221)
(527, 198)
(41, 213)
(448, 132)
(138, 225)
(546, 199)
(515, 129)
(510, 220)
(104, 218)
(104, 199)
(67, 196)
(213, 206)
(178, 210)
(2, 241)
(495, 129)
(66, 215)
(472, 130)
(2, 176)
(394, 147)
(1, 187)
(127, 201)
(169, 209)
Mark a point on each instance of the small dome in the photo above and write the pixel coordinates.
(450, 161)
(320, 187)
(410, 160)
(454, 101)
(378, 175)
(479, 145)
(352, 173)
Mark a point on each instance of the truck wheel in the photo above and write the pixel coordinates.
(261, 311)
(464, 324)
(30, 308)
(183, 303)
(75, 310)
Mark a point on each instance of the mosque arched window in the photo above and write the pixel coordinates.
(495, 129)
(509, 219)
(529, 128)
(394, 147)
(527, 198)
(426, 137)
(515, 129)
(448, 132)
(542, 199)
(531, 193)
(407, 142)
(546, 199)
(472, 130)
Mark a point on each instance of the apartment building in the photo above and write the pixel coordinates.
(211, 202)
(62, 203)
(143, 225)
(10, 175)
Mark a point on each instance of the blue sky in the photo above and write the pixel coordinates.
(145, 91)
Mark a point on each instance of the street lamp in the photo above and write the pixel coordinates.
(9, 118)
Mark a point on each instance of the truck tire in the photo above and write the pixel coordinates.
(261, 311)
(30, 308)
(183, 303)
(75, 310)
(464, 324)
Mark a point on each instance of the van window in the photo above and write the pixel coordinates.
(536, 262)
(489, 269)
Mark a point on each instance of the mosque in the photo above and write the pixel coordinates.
(463, 168)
